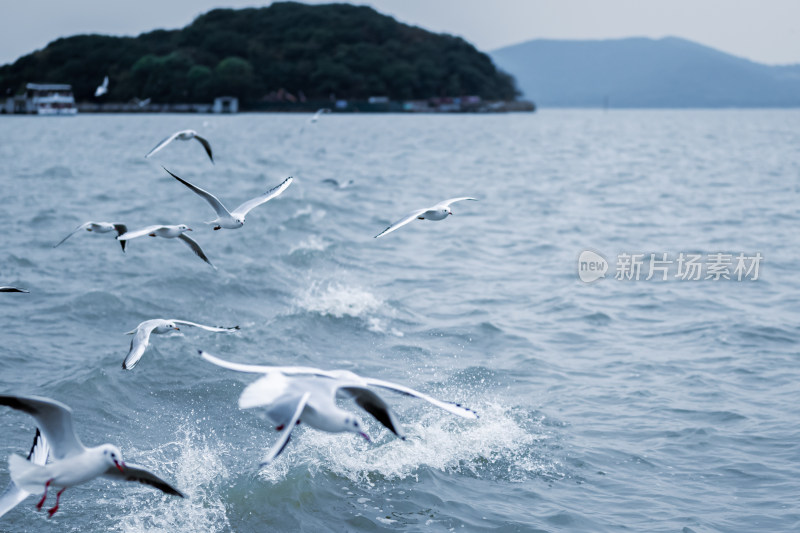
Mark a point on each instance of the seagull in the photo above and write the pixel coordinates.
(13, 495)
(183, 135)
(101, 89)
(98, 227)
(292, 393)
(72, 463)
(233, 219)
(158, 325)
(437, 212)
(12, 289)
(318, 114)
(168, 232)
(335, 183)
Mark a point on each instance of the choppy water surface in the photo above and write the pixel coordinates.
(641, 406)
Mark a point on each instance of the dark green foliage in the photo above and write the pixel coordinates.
(350, 51)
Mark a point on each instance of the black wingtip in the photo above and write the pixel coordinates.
(168, 172)
(36, 440)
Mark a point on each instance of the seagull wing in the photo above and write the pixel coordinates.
(216, 205)
(286, 434)
(13, 494)
(263, 369)
(206, 145)
(447, 203)
(12, 289)
(137, 233)
(54, 420)
(121, 230)
(140, 475)
(162, 144)
(265, 391)
(454, 408)
(207, 328)
(402, 222)
(195, 248)
(139, 343)
(374, 405)
(76, 230)
(246, 207)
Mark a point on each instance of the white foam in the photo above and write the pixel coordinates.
(377, 325)
(197, 472)
(312, 244)
(338, 300)
(433, 441)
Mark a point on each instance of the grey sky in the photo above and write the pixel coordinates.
(762, 30)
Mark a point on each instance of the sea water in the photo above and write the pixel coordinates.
(621, 404)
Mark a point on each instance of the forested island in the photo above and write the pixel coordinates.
(308, 52)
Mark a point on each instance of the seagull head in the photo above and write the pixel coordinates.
(352, 424)
(184, 227)
(171, 325)
(240, 221)
(113, 456)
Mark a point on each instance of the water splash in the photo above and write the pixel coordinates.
(496, 446)
(311, 244)
(198, 471)
(337, 300)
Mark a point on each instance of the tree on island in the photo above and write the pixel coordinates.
(353, 52)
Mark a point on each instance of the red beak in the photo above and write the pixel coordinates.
(120, 467)
(177, 329)
(365, 436)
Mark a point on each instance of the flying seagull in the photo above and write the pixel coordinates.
(142, 333)
(233, 219)
(12, 289)
(98, 227)
(437, 212)
(72, 463)
(318, 114)
(183, 135)
(293, 393)
(13, 495)
(101, 89)
(168, 232)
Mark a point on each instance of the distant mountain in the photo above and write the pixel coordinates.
(641, 72)
(351, 51)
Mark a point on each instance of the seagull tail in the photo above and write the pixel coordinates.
(26, 475)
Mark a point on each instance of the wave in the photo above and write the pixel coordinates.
(338, 300)
(497, 445)
(198, 471)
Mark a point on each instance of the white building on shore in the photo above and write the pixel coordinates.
(43, 99)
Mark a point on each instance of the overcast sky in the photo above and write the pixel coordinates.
(762, 30)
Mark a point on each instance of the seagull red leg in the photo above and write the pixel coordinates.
(52, 511)
(44, 496)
